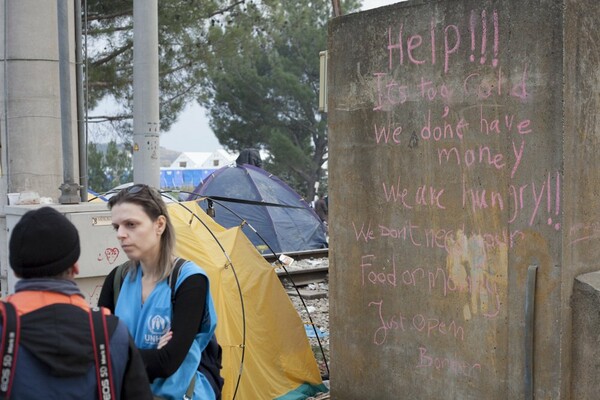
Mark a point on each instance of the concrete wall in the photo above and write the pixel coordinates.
(30, 114)
(586, 338)
(31, 155)
(463, 149)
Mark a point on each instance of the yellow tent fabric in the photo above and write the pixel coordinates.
(278, 362)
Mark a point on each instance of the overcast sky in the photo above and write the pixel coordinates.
(192, 133)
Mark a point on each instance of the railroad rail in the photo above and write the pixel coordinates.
(305, 276)
(299, 255)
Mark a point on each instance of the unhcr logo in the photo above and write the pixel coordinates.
(157, 326)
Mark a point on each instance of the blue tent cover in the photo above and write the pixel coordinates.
(284, 229)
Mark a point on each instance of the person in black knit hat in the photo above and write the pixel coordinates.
(44, 243)
(56, 358)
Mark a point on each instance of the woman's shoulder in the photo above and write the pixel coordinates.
(191, 276)
(189, 268)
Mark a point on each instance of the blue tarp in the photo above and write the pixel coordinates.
(310, 331)
(182, 178)
(284, 229)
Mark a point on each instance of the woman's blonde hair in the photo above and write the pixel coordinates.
(153, 205)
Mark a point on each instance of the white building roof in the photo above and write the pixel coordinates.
(203, 160)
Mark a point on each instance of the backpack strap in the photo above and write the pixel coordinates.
(9, 347)
(118, 281)
(174, 275)
(104, 376)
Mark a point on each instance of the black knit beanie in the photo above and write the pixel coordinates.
(43, 243)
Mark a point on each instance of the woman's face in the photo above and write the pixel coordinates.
(138, 235)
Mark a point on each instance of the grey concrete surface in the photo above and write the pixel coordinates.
(586, 336)
(463, 149)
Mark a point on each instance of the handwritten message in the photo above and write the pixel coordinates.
(471, 126)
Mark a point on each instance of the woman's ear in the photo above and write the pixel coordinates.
(160, 224)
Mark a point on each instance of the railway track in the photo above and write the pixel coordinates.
(304, 276)
(299, 255)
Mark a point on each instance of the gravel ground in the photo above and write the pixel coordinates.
(318, 309)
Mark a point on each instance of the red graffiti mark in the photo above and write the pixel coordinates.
(111, 254)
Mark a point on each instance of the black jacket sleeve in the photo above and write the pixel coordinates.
(188, 312)
(135, 382)
(106, 298)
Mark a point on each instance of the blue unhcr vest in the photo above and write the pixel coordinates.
(149, 321)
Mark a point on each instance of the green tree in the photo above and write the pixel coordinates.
(183, 48)
(253, 64)
(96, 177)
(262, 90)
(108, 169)
(117, 165)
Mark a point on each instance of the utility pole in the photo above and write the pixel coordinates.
(337, 9)
(69, 189)
(146, 118)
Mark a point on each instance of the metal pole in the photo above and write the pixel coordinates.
(5, 172)
(337, 9)
(529, 329)
(146, 121)
(81, 131)
(69, 188)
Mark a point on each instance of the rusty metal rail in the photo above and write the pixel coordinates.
(302, 277)
(299, 255)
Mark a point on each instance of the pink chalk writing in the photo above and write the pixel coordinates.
(414, 48)
(425, 325)
(379, 277)
(479, 155)
(503, 125)
(453, 365)
(435, 280)
(477, 86)
(518, 196)
(480, 87)
(472, 31)
(386, 135)
(483, 35)
(424, 195)
(581, 232)
(445, 131)
(430, 237)
(472, 22)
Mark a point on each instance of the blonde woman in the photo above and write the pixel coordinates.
(171, 335)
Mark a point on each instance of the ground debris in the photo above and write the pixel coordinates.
(313, 309)
(320, 396)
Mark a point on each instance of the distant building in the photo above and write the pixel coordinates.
(190, 168)
(203, 160)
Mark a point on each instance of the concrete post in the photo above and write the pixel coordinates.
(464, 141)
(586, 336)
(69, 188)
(32, 151)
(146, 121)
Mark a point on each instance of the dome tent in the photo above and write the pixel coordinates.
(282, 219)
(266, 352)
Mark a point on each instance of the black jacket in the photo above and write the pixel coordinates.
(55, 358)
